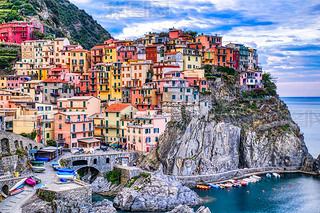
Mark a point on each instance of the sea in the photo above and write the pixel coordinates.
(306, 113)
(292, 192)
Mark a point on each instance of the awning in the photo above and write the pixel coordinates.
(89, 140)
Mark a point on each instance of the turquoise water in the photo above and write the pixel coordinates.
(304, 196)
(306, 112)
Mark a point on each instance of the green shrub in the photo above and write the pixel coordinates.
(113, 176)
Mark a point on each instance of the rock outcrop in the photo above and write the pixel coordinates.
(103, 187)
(104, 206)
(158, 192)
(234, 133)
(187, 209)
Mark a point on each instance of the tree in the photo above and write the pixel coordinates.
(38, 34)
(269, 84)
(51, 143)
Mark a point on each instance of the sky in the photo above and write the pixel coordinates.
(286, 33)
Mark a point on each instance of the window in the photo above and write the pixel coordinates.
(74, 135)
(60, 126)
(173, 97)
(117, 114)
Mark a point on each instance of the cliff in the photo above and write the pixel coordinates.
(60, 18)
(232, 130)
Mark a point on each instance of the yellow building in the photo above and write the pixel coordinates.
(109, 85)
(191, 58)
(80, 60)
(207, 57)
(111, 123)
(46, 112)
(110, 54)
(43, 73)
(32, 89)
(3, 82)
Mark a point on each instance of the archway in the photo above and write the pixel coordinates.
(16, 144)
(5, 148)
(5, 189)
(88, 174)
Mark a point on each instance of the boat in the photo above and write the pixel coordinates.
(268, 175)
(276, 175)
(65, 170)
(39, 185)
(66, 176)
(20, 186)
(202, 187)
(17, 191)
(38, 169)
(21, 182)
(38, 180)
(34, 162)
(66, 173)
(42, 159)
(31, 182)
(214, 186)
(256, 177)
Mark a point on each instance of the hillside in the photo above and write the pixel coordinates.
(60, 17)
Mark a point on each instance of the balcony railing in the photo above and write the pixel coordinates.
(54, 94)
(61, 140)
(77, 121)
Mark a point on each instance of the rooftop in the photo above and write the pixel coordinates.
(117, 107)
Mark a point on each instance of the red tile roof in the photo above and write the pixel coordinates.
(171, 53)
(116, 107)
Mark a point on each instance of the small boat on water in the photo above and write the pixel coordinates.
(38, 169)
(34, 162)
(65, 170)
(42, 159)
(202, 186)
(268, 175)
(214, 186)
(21, 182)
(31, 182)
(276, 175)
(17, 191)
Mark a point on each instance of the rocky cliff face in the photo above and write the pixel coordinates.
(231, 133)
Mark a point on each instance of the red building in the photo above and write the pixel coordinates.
(151, 53)
(17, 32)
(126, 53)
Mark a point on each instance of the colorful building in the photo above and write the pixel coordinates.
(80, 60)
(145, 130)
(54, 89)
(17, 32)
(88, 104)
(74, 130)
(112, 121)
(251, 79)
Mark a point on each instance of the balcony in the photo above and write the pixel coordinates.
(100, 126)
(80, 131)
(104, 82)
(53, 101)
(78, 121)
(61, 140)
(92, 77)
(223, 54)
(54, 94)
(229, 62)
(112, 126)
(144, 103)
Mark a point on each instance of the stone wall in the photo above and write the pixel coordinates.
(67, 200)
(10, 142)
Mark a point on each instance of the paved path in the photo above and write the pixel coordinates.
(12, 204)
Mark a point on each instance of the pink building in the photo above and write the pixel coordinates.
(64, 74)
(144, 132)
(160, 69)
(14, 82)
(17, 32)
(251, 79)
(74, 130)
(125, 53)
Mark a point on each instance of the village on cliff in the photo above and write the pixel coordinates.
(121, 93)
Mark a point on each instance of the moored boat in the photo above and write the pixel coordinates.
(214, 186)
(31, 182)
(34, 162)
(276, 175)
(42, 159)
(21, 182)
(38, 169)
(268, 175)
(66, 176)
(17, 191)
(202, 186)
(65, 170)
